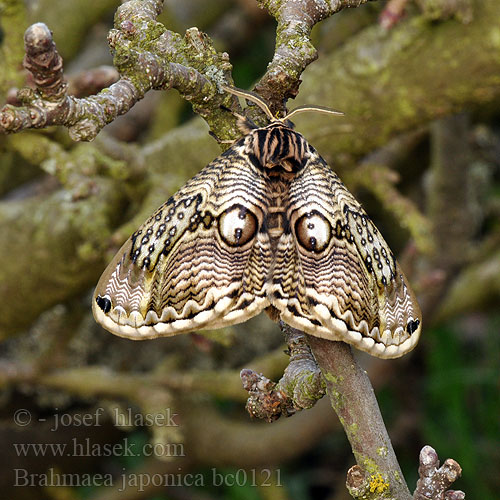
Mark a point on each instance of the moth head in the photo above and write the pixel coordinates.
(246, 125)
(276, 147)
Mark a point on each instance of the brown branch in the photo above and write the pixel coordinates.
(160, 61)
(294, 50)
(300, 387)
(434, 481)
(81, 84)
(354, 401)
(49, 104)
(44, 63)
(450, 207)
(393, 12)
(88, 82)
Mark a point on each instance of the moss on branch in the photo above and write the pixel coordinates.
(300, 387)
(352, 398)
(294, 50)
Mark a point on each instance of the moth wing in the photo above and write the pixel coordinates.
(350, 286)
(198, 262)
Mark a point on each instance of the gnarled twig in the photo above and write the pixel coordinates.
(299, 388)
(294, 50)
(434, 481)
(160, 62)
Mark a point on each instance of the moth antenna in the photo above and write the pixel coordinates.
(251, 96)
(310, 107)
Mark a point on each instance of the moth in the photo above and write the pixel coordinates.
(266, 226)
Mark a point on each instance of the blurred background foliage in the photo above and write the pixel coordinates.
(432, 187)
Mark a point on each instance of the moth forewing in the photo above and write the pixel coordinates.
(198, 262)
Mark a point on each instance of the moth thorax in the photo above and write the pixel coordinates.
(279, 148)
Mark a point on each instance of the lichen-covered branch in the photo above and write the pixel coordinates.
(299, 388)
(377, 474)
(294, 50)
(147, 56)
(49, 104)
(352, 88)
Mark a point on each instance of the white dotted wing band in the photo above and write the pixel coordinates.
(266, 225)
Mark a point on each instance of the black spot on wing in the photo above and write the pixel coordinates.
(412, 326)
(104, 303)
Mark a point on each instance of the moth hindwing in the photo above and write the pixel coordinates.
(267, 223)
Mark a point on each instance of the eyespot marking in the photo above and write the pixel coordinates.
(237, 225)
(313, 231)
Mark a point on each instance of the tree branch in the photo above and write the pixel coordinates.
(377, 474)
(450, 205)
(387, 84)
(433, 480)
(294, 50)
(160, 61)
(299, 388)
